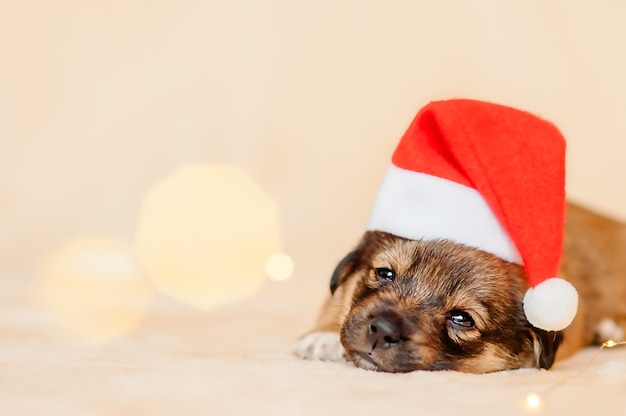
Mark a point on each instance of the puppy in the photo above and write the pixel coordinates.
(401, 305)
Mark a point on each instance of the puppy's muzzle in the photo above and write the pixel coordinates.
(385, 331)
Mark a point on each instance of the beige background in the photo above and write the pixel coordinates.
(100, 100)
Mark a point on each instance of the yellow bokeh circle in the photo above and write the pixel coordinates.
(279, 267)
(205, 233)
(95, 287)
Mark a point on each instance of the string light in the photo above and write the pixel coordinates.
(534, 400)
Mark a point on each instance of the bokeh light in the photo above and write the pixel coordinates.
(279, 267)
(95, 287)
(205, 233)
(533, 401)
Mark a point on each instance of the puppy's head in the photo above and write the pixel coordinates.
(435, 305)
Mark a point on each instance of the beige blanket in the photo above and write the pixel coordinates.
(236, 360)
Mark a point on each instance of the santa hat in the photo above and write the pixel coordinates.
(491, 177)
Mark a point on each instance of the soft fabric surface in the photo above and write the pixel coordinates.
(236, 360)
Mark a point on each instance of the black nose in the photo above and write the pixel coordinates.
(384, 331)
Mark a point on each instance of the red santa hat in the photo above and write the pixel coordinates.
(491, 177)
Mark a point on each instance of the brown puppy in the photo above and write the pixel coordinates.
(399, 305)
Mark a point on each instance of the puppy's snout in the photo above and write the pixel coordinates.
(384, 331)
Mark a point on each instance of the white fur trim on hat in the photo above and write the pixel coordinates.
(551, 305)
(418, 206)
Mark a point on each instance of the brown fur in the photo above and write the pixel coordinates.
(594, 262)
(414, 321)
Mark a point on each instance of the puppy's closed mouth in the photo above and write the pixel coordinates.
(364, 360)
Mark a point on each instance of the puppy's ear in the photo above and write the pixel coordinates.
(545, 344)
(343, 269)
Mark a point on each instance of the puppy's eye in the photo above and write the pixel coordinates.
(384, 274)
(461, 320)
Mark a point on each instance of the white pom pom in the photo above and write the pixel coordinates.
(551, 305)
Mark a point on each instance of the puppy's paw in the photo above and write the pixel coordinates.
(324, 346)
